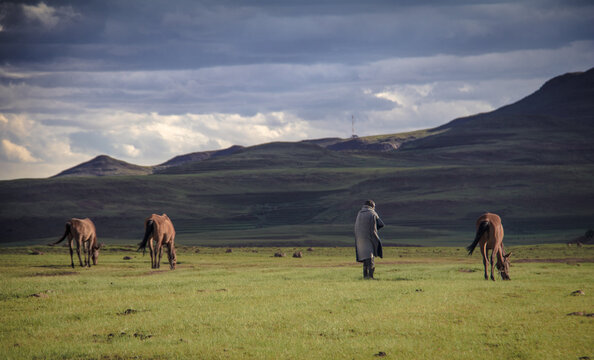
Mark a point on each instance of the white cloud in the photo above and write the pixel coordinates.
(48, 16)
(66, 117)
(15, 152)
(17, 125)
(466, 88)
(131, 150)
(26, 140)
(152, 138)
(42, 13)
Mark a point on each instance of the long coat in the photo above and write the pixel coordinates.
(367, 241)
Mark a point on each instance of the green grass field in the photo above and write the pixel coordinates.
(428, 303)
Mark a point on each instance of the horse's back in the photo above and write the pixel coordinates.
(163, 226)
(495, 233)
(490, 218)
(84, 227)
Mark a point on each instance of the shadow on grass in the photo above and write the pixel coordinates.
(397, 279)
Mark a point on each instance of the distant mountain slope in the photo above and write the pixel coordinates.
(104, 165)
(198, 156)
(559, 116)
(531, 162)
(268, 156)
(549, 126)
(565, 96)
(381, 143)
(316, 152)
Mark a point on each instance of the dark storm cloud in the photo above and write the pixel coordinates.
(149, 80)
(175, 35)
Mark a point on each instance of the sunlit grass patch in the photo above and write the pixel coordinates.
(428, 303)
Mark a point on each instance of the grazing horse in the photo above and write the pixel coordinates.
(160, 229)
(489, 236)
(83, 232)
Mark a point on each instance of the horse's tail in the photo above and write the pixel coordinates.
(149, 227)
(66, 232)
(483, 226)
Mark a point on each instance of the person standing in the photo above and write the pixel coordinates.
(367, 242)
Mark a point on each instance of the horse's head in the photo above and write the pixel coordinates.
(172, 260)
(503, 267)
(95, 255)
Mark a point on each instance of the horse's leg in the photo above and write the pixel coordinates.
(156, 250)
(85, 252)
(71, 252)
(171, 255)
(160, 254)
(484, 255)
(493, 254)
(78, 245)
(152, 251)
(89, 249)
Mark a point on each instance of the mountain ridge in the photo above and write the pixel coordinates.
(531, 165)
(568, 94)
(104, 165)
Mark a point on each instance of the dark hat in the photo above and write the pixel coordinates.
(370, 203)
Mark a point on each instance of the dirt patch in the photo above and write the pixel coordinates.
(142, 336)
(112, 336)
(581, 313)
(572, 261)
(56, 273)
(466, 270)
(128, 312)
(40, 295)
(155, 272)
(43, 294)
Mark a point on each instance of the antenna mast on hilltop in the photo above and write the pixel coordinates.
(353, 126)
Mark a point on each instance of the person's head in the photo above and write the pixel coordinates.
(370, 203)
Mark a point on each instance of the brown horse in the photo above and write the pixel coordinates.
(489, 235)
(83, 232)
(160, 229)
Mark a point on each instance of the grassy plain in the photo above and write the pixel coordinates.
(428, 303)
(431, 205)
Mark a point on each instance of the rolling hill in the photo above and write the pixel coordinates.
(531, 162)
(104, 165)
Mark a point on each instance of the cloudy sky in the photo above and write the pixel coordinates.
(144, 81)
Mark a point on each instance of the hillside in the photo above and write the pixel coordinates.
(530, 162)
(554, 125)
(306, 153)
(104, 165)
(197, 156)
